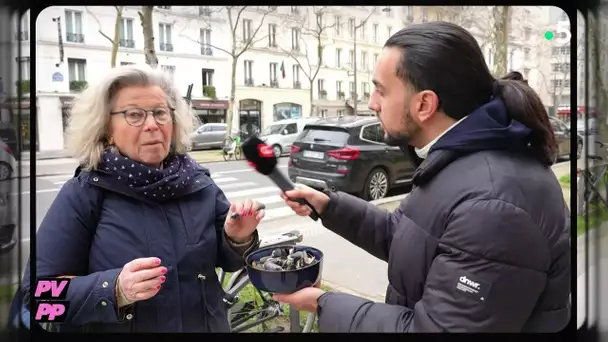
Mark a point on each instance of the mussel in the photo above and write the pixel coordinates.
(284, 259)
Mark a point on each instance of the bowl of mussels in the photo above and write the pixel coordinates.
(284, 269)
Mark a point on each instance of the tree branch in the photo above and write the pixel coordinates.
(252, 38)
(207, 44)
(99, 24)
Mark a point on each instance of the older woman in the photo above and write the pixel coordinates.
(141, 229)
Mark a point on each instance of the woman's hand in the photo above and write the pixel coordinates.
(241, 229)
(140, 279)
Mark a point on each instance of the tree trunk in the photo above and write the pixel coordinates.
(148, 27)
(500, 40)
(310, 95)
(116, 38)
(230, 114)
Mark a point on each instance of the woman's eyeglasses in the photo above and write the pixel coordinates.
(137, 116)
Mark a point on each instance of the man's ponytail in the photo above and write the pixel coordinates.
(525, 106)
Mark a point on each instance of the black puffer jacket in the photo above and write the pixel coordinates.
(482, 243)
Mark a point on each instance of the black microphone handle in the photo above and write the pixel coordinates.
(285, 185)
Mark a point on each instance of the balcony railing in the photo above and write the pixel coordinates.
(127, 43)
(74, 37)
(166, 47)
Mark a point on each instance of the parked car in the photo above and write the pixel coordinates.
(7, 161)
(8, 217)
(563, 135)
(592, 125)
(348, 154)
(210, 135)
(282, 133)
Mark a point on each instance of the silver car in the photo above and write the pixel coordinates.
(7, 161)
(210, 135)
(281, 134)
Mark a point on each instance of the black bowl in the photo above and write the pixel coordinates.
(284, 281)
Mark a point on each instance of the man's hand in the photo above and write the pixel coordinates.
(304, 300)
(316, 198)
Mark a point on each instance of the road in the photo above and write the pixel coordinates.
(236, 179)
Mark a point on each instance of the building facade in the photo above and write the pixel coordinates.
(280, 70)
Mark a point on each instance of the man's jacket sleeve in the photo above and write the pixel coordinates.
(362, 223)
(466, 289)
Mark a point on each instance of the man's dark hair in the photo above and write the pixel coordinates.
(446, 59)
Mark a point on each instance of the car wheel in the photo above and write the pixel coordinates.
(5, 171)
(579, 150)
(376, 185)
(276, 149)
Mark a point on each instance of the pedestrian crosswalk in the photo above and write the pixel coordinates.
(235, 189)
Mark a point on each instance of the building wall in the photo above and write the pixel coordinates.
(188, 60)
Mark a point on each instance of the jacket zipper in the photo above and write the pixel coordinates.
(202, 279)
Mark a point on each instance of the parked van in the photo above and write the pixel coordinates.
(281, 134)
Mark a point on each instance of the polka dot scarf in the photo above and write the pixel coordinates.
(171, 181)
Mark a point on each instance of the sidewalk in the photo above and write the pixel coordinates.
(371, 280)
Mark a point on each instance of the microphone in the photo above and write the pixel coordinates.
(262, 158)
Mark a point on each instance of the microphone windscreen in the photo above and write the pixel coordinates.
(260, 155)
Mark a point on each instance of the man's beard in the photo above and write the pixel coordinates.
(402, 138)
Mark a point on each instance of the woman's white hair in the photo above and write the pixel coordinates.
(89, 122)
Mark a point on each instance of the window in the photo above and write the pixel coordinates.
(389, 11)
(351, 87)
(295, 39)
(24, 67)
(205, 42)
(164, 7)
(409, 13)
(351, 57)
(164, 33)
(527, 53)
(372, 133)
(375, 33)
(207, 77)
(339, 92)
(126, 33)
(77, 69)
(563, 67)
(248, 68)
(295, 10)
(340, 112)
(272, 35)
(527, 33)
(561, 50)
(389, 31)
(323, 113)
(246, 30)
(362, 30)
(365, 87)
(376, 59)
(273, 72)
(169, 69)
(291, 128)
(321, 84)
(204, 11)
(22, 27)
(351, 27)
(526, 73)
(296, 74)
(337, 25)
(73, 27)
(338, 58)
(364, 65)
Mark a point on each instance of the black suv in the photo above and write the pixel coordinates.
(348, 154)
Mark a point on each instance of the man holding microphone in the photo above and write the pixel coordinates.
(482, 243)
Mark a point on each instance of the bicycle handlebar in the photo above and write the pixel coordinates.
(291, 237)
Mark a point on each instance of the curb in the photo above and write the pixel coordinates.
(338, 288)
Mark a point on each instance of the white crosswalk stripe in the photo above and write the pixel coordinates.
(235, 189)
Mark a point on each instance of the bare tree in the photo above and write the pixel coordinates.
(240, 44)
(145, 16)
(116, 36)
(314, 27)
(476, 19)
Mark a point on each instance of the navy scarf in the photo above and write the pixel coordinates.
(173, 180)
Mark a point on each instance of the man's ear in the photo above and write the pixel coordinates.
(428, 103)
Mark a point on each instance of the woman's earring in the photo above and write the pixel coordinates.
(111, 141)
